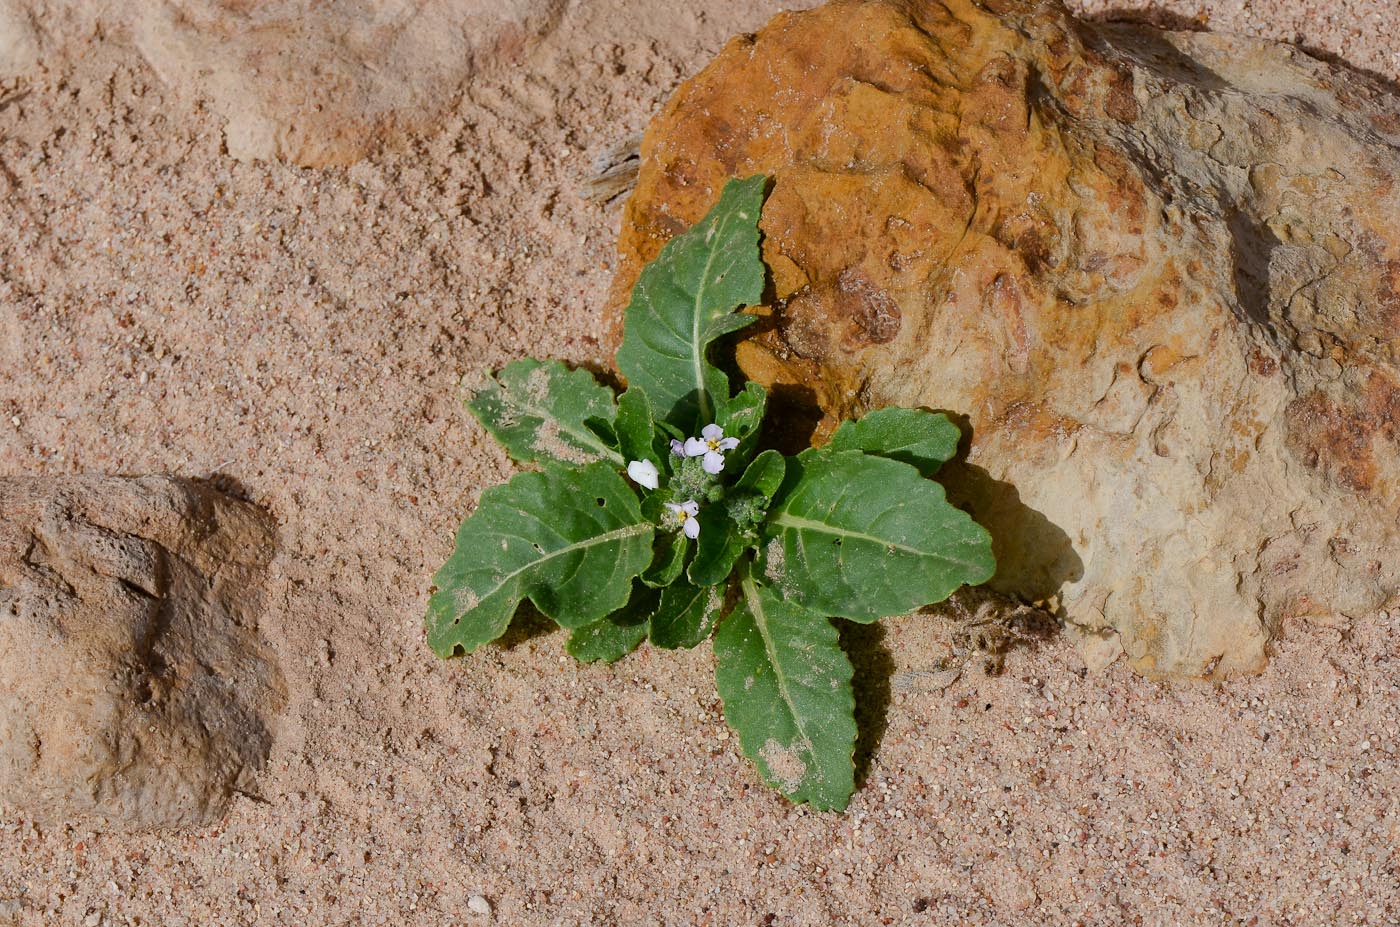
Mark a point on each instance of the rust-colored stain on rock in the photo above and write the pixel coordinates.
(992, 208)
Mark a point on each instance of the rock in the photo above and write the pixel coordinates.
(477, 904)
(1159, 273)
(19, 43)
(134, 689)
(323, 84)
(614, 172)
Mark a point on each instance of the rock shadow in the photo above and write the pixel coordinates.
(1252, 243)
(226, 484)
(1159, 17)
(1380, 81)
(1251, 250)
(1150, 14)
(1142, 41)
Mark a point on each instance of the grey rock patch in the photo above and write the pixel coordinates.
(323, 84)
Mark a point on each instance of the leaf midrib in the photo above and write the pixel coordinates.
(760, 620)
(697, 353)
(615, 534)
(788, 520)
(587, 437)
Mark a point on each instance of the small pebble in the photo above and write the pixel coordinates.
(478, 905)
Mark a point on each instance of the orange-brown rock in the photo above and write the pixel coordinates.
(1158, 272)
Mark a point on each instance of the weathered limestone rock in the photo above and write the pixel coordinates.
(19, 44)
(1158, 272)
(321, 84)
(134, 689)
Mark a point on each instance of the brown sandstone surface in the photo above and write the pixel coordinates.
(1157, 272)
(134, 689)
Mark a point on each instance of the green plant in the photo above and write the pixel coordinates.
(707, 533)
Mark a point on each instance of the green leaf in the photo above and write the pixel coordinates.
(636, 432)
(685, 299)
(614, 637)
(717, 548)
(742, 418)
(686, 616)
(572, 539)
(669, 560)
(747, 503)
(764, 476)
(669, 431)
(863, 537)
(786, 687)
(924, 440)
(539, 410)
(603, 430)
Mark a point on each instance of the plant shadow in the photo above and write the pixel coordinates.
(526, 624)
(1017, 610)
(874, 669)
(795, 418)
(1035, 559)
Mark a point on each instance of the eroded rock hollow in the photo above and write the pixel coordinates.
(135, 689)
(1159, 273)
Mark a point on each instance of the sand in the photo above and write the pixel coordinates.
(300, 336)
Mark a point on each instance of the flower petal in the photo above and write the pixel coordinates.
(678, 447)
(644, 473)
(712, 432)
(673, 508)
(713, 462)
(691, 528)
(728, 444)
(690, 507)
(694, 447)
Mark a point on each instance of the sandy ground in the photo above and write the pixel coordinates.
(300, 335)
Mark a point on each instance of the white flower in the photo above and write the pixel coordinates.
(678, 447)
(685, 513)
(715, 439)
(711, 445)
(644, 473)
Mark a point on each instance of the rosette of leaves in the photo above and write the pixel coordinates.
(656, 515)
